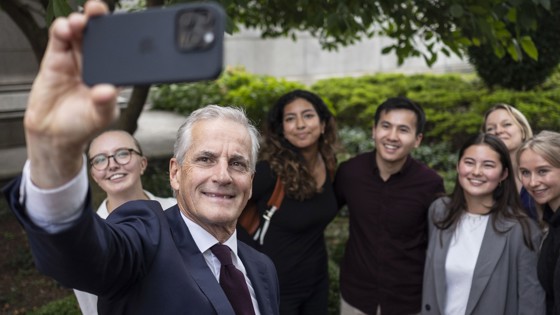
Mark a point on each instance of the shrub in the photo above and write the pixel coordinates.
(255, 93)
(527, 73)
(64, 306)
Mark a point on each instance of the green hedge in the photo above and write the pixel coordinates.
(454, 104)
(234, 87)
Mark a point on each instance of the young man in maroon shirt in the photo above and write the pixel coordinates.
(388, 194)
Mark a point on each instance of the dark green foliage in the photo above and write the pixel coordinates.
(527, 73)
(255, 93)
(65, 306)
(454, 104)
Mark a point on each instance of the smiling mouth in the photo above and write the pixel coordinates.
(476, 182)
(391, 147)
(221, 196)
(116, 176)
(539, 192)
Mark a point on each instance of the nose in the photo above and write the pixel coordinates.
(221, 173)
(533, 180)
(477, 169)
(499, 130)
(392, 134)
(300, 123)
(112, 160)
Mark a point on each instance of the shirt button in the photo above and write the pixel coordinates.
(427, 307)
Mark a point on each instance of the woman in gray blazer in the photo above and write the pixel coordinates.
(482, 250)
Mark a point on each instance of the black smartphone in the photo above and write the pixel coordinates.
(182, 43)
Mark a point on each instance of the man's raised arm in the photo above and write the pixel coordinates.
(63, 113)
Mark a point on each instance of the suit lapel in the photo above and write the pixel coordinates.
(491, 250)
(440, 255)
(257, 275)
(196, 264)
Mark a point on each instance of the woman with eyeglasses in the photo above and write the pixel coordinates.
(116, 165)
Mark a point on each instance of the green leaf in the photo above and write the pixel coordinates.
(61, 8)
(529, 47)
(475, 41)
(514, 51)
(512, 15)
(545, 4)
(464, 41)
(456, 10)
(49, 15)
(499, 51)
(476, 9)
(387, 49)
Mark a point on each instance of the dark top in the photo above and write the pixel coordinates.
(295, 239)
(528, 204)
(140, 261)
(548, 267)
(383, 263)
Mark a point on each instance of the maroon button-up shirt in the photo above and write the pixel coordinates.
(383, 262)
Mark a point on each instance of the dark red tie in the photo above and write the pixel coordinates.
(233, 282)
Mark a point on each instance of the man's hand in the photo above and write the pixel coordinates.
(63, 113)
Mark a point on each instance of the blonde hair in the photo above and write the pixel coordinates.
(547, 145)
(518, 118)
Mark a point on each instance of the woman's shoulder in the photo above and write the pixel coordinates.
(438, 208)
(440, 204)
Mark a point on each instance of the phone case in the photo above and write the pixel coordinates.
(150, 47)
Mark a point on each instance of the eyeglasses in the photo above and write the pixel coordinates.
(122, 157)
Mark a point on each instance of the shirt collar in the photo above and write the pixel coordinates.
(403, 169)
(205, 240)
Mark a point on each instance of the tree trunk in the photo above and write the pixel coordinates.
(129, 118)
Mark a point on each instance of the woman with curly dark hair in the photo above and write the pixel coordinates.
(299, 148)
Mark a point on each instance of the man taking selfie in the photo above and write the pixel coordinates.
(141, 260)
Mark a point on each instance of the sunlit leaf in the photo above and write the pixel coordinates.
(514, 51)
(512, 15)
(529, 47)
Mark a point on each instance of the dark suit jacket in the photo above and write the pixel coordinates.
(141, 260)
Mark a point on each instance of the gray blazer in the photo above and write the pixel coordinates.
(505, 275)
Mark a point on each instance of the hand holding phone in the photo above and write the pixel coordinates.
(182, 43)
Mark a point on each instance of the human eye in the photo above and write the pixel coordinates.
(524, 173)
(99, 159)
(122, 153)
(203, 159)
(309, 115)
(288, 118)
(468, 162)
(404, 129)
(542, 171)
(240, 166)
